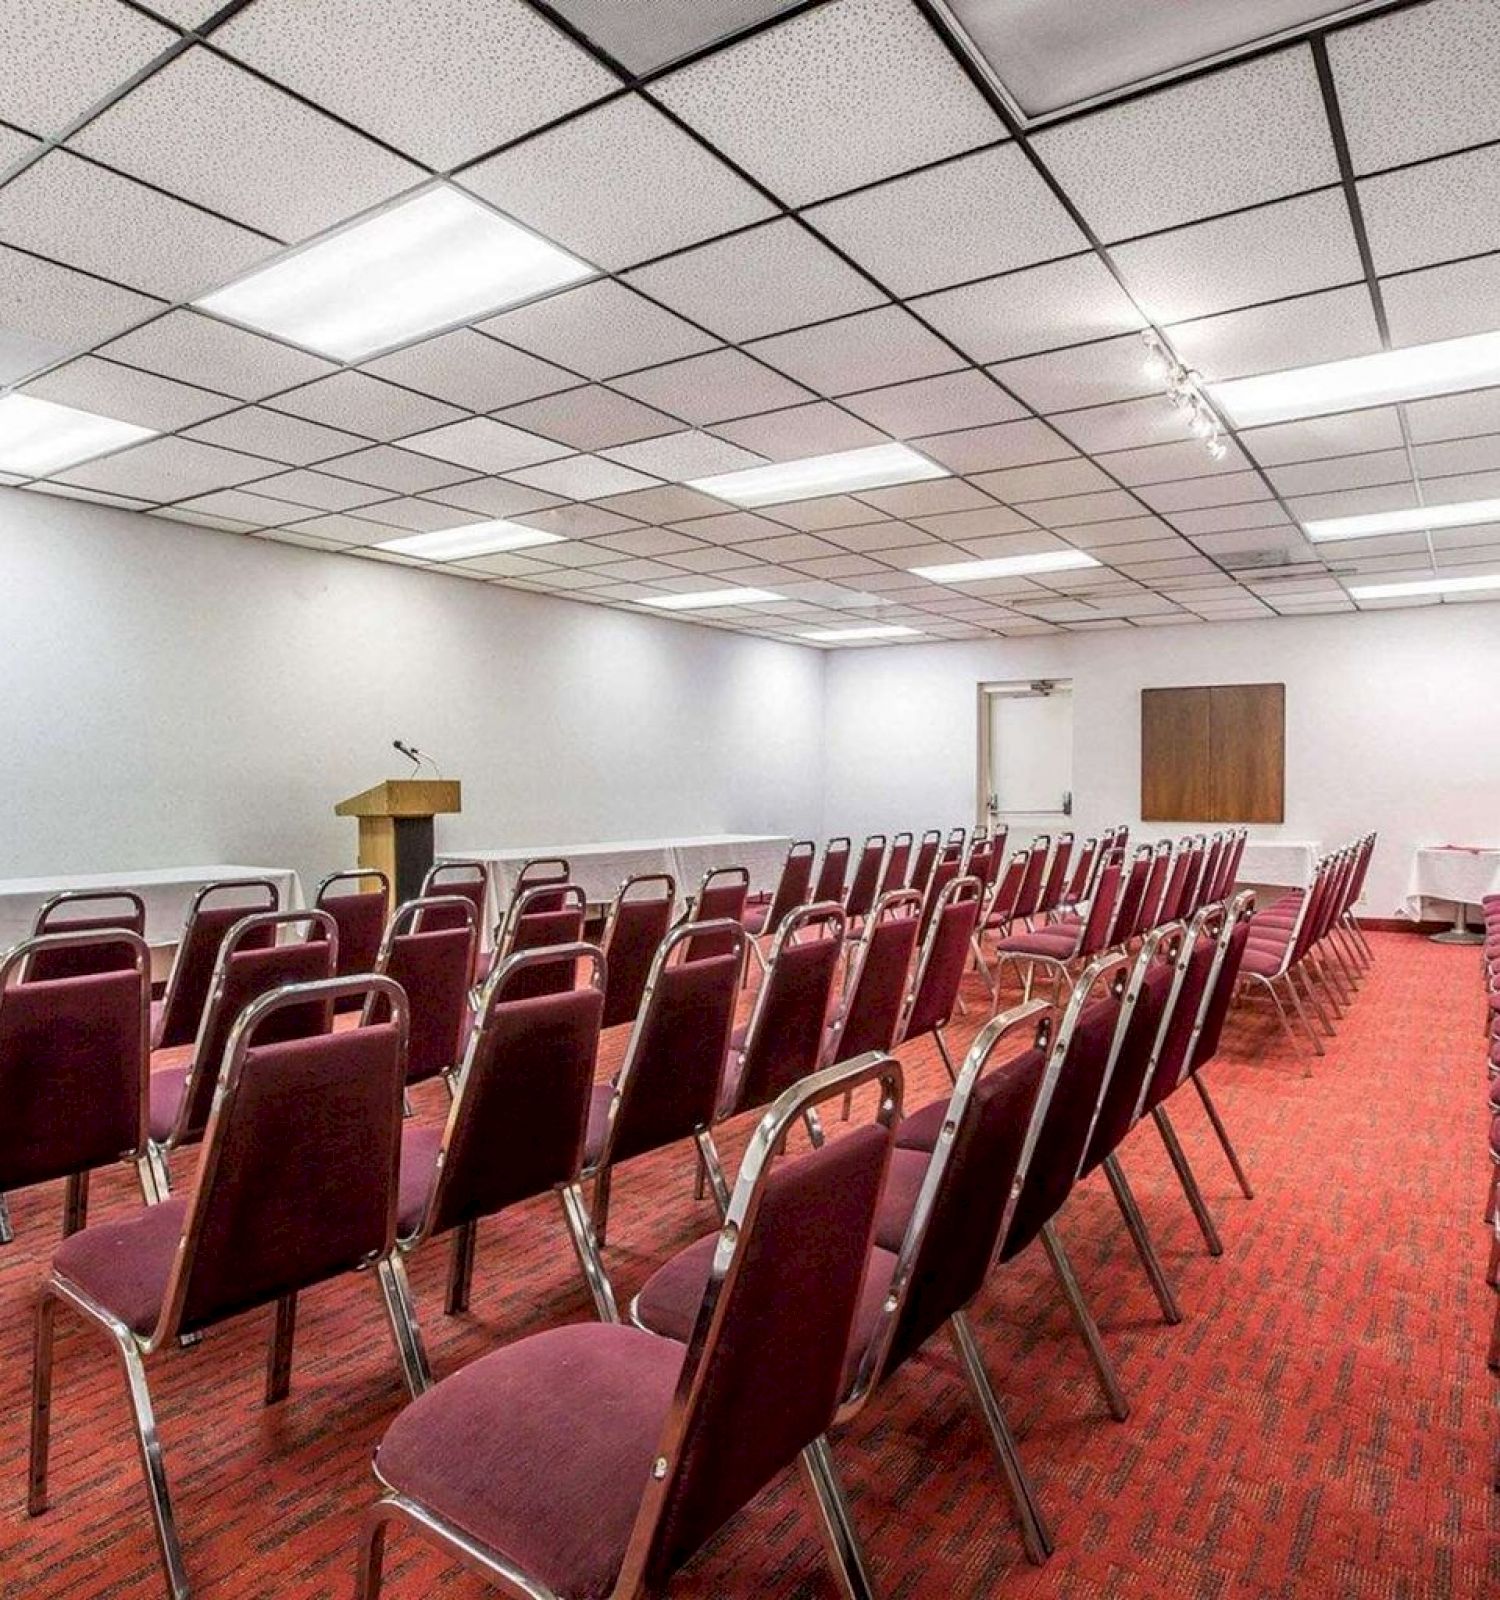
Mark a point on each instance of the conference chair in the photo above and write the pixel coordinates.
(74, 1055)
(250, 963)
(103, 910)
(943, 873)
(763, 914)
(722, 894)
(175, 1018)
(833, 870)
(429, 949)
(518, 1119)
(867, 1014)
(940, 969)
(281, 1201)
(1081, 881)
(599, 1459)
(543, 872)
(897, 861)
(1272, 954)
(1051, 894)
(359, 914)
(1213, 861)
(539, 917)
(668, 1084)
(867, 874)
(1148, 908)
(443, 879)
(638, 920)
(1029, 898)
(929, 847)
(1061, 947)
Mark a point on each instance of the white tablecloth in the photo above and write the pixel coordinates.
(600, 869)
(167, 891)
(1283, 862)
(1462, 877)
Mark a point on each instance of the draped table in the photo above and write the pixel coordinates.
(1288, 863)
(1460, 874)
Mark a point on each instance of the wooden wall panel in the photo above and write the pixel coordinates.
(1247, 742)
(1175, 760)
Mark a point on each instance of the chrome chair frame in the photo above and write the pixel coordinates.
(174, 976)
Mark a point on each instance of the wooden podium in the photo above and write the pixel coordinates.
(395, 827)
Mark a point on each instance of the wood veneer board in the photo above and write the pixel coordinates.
(1175, 759)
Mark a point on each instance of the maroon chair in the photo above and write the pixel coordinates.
(833, 870)
(1213, 861)
(983, 861)
(943, 873)
(1128, 911)
(638, 921)
(929, 847)
(1029, 899)
(940, 969)
(74, 1055)
(1081, 882)
(1059, 947)
(897, 861)
(1053, 883)
(868, 1013)
(955, 845)
(127, 911)
(281, 1201)
(1148, 909)
(250, 963)
(764, 914)
(359, 915)
(175, 1019)
(444, 879)
(518, 1121)
(1229, 866)
(722, 895)
(668, 1085)
(429, 950)
(594, 1461)
(543, 872)
(539, 917)
(863, 891)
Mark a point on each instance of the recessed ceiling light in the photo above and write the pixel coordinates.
(1415, 519)
(1006, 566)
(473, 539)
(702, 599)
(40, 436)
(427, 263)
(1417, 586)
(1392, 375)
(886, 630)
(841, 473)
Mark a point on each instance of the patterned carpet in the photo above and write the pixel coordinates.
(1321, 1425)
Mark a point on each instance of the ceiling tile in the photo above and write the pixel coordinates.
(1071, 510)
(645, 37)
(1438, 461)
(443, 81)
(873, 347)
(14, 146)
(1109, 535)
(617, 185)
(590, 418)
(348, 531)
(210, 132)
(926, 499)
(1435, 211)
(466, 369)
(493, 497)
(1085, 375)
(1379, 428)
(789, 547)
(670, 503)
(402, 471)
(1179, 458)
(46, 79)
(831, 511)
(1212, 520)
(683, 455)
(198, 349)
(365, 405)
(798, 431)
(48, 312)
(1290, 333)
(582, 477)
(934, 405)
(319, 489)
(984, 523)
(971, 218)
(245, 506)
(277, 437)
(127, 394)
(1070, 476)
(1445, 302)
(1128, 423)
(580, 522)
(792, 105)
(1341, 472)
(418, 516)
(1189, 494)
(873, 536)
(1039, 308)
(1454, 416)
(1287, 248)
(729, 527)
(1163, 159)
(712, 387)
(165, 469)
(484, 445)
(1006, 444)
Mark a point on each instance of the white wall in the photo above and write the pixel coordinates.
(173, 695)
(1390, 724)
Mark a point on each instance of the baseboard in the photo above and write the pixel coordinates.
(1401, 925)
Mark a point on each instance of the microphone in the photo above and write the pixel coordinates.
(410, 754)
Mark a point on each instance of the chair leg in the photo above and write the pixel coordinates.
(41, 1401)
(814, 1125)
(395, 1292)
(145, 1175)
(460, 1268)
(1189, 1181)
(1492, 1272)
(1493, 1358)
(835, 1525)
(581, 1231)
(370, 1566)
(75, 1203)
(1223, 1135)
(1312, 1032)
(1114, 1396)
(1140, 1237)
(161, 1176)
(601, 1203)
(7, 1233)
(279, 1360)
(942, 1044)
(1035, 1534)
(709, 1167)
(1304, 970)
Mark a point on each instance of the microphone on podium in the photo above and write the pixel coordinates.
(415, 756)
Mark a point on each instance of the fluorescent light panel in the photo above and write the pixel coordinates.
(1410, 374)
(40, 436)
(427, 263)
(841, 473)
(1006, 566)
(701, 600)
(1415, 519)
(472, 539)
(1420, 586)
(885, 630)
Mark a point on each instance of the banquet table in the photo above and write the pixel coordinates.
(1460, 874)
(599, 869)
(1286, 863)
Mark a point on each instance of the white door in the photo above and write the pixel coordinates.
(1029, 750)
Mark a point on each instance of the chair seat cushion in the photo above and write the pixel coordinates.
(419, 1152)
(593, 1144)
(1052, 942)
(124, 1265)
(920, 1130)
(166, 1091)
(753, 918)
(903, 1181)
(1264, 963)
(541, 1451)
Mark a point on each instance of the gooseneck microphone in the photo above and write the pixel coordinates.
(415, 756)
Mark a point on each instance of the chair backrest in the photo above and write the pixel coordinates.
(763, 1369)
(1057, 873)
(1100, 921)
(1192, 880)
(283, 1199)
(945, 953)
(869, 1013)
(1148, 911)
(444, 879)
(1209, 878)
(981, 861)
(833, 870)
(669, 1081)
(784, 1039)
(434, 966)
(897, 860)
(74, 1055)
(943, 873)
(794, 885)
(721, 896)
(539, 917)
(193, 965)
(520, 1108)
(1008, 888)
(251, 964)
(867, 874)
(1164, 898)
(637, 923)
(1030, 894)
(1210, 1024)
(544, 872)
(1082, 877)
(359, 913)
(925, 859)
(108, 909)
(996, 838)
(1133, 894)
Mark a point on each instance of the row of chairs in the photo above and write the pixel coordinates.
(1490, 969)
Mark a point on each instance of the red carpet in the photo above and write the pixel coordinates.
(1321, 1425)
